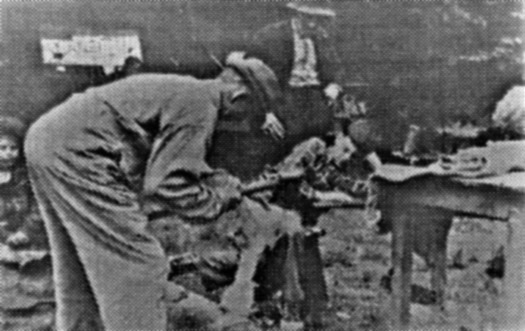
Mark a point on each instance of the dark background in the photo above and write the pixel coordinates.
(432, 63)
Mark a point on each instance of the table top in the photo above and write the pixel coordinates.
(493, 197)
(394, 173)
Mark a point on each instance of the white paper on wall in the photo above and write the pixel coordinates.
(108, 50)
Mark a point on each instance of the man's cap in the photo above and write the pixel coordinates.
(311, 9)
(12, 126)
(260, 78)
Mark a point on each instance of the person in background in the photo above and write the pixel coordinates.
(257, 135)
(14, 185)
(132, 65)
(107, 162)
(301, 52)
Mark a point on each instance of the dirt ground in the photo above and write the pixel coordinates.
(355, 258)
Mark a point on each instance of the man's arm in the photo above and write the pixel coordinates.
(177, 176)
(269, 46)
(331, 70)
(175, 184)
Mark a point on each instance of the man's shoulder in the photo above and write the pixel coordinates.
(160, 78)
(154, 86)
(151, 82)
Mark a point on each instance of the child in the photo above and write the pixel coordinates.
(14, 185)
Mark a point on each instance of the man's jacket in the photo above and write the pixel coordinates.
(274, 44)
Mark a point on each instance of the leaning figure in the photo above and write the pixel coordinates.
(108, 162)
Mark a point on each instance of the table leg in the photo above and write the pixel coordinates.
(513, 308)
(438, 276)
(402, 236)
(439, 222)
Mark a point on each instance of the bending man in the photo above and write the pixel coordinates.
(107, 160)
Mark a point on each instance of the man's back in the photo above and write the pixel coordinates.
(141, 97)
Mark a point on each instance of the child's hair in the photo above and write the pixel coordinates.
(14, 129)
(10, 136)
(12, 125)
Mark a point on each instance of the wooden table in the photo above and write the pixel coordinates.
(403, 190)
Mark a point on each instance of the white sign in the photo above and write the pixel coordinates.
(106, 50)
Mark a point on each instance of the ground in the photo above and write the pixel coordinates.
(355, 258)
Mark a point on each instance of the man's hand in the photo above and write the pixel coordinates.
(227, 187)
(273, 127)
(341, 150)
(332, 92)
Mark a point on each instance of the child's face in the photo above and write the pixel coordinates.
(9, 151)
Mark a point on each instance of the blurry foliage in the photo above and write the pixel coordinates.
(431, 63)
(471, 33)
(449, 61)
